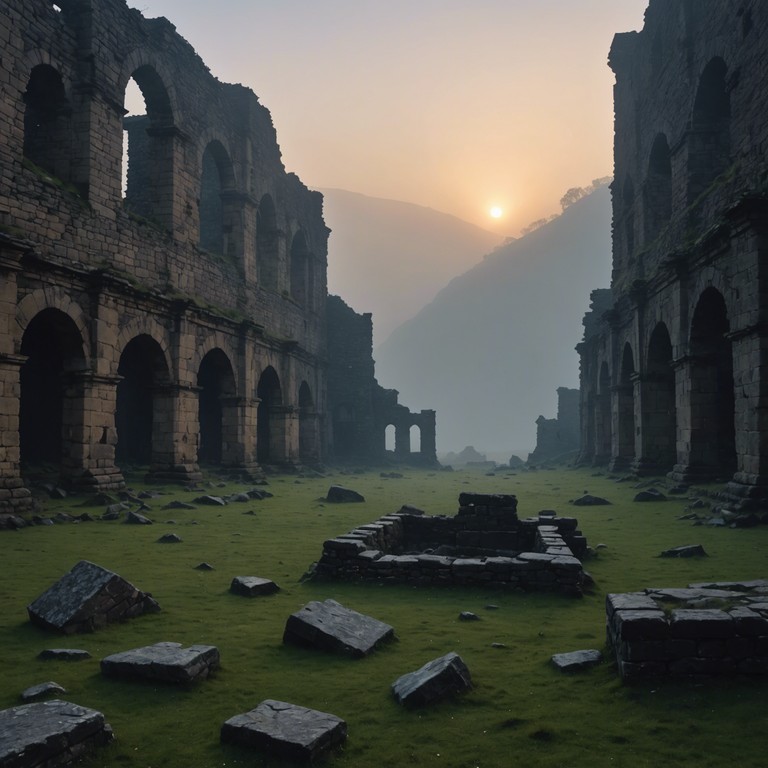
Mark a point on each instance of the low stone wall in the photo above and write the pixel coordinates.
(707, 629)
(483, 545)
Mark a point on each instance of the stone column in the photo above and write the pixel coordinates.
(428, 436)
(599, 450)
(239, 418)
(309, 436)
(622, 427)
(89, 436)
(284, 434)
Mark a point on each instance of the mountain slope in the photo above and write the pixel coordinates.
(491, 349)
(391, 258)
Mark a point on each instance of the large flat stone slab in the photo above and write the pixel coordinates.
(576, 660)
(166, 662)
(437, 679)
(89, 597)
(286, 730)
(49, 734)
(252, 586)
(330, 626)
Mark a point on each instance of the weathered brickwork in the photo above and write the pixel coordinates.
(483, 545)
(674, 375)
(361, 409)
(180, 322)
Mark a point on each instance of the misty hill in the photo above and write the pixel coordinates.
(491, 349)
(391, 258)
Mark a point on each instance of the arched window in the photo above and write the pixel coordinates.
(415, 437)
(217, 214)
(48, 123)
(657, 193)
(218, 422)
(267, 244)
(270, 429)
(390, 434)
(659, 407)
(299, 269)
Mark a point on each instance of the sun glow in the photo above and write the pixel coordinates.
(495, 212)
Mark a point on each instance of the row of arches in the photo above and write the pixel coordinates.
(707, 150)
(675, 411)
(145, 422)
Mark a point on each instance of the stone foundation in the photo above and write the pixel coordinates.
(483, 545)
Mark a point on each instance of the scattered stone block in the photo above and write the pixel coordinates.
(41, 690)
(651, 494)
(340, 495)
(331, 627)
(49, 734)
(136, 518)
(252, 586)
(468, 616)
(64, 654)
(170, 538)
(286, 730)
(166, 662)
(89, 597)
(436, 680)
(211, 501)
(686, 550)
(587, 500)
(11, 522)
(179, 505)
(576, 660)
(204, 567)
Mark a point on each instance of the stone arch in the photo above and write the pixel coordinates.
(657, 191)
(142, 414)
(267, 244)
(149, 155)
(414, 438)
(48, 412)
(659, 401)
(300, 267)
(53, 297)
(624, 450)
(146, 325)
(217, 412)
(309, 448)
(390, 438)
(713, 433)
(48, 130)
(709, 136)
(217, 212)
(270, 431)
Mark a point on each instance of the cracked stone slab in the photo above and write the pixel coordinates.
(48, 734)
(330, 626)
(436, 680)
(89, 597)
(166, 662)
(575, 660)
(253, 586)
(286, 730)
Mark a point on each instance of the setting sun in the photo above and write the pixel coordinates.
(496, 212)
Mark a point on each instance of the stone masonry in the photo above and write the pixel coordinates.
(674, 362)
(180, 321)
(558, 438)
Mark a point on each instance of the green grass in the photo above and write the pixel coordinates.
(521, 711)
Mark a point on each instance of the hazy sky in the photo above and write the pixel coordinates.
(458, 105)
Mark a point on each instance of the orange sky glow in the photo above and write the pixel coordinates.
(458, 105)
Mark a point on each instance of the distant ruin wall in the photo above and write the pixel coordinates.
(558, 438)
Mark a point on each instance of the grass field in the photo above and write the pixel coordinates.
(521, 710)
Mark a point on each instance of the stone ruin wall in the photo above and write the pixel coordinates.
(213, 267)
(558, 438)
(673, 372)
(484, 544)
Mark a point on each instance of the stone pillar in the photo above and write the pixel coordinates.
(238, 428)
(428, 437)
(175, 435)
(284, 434)
(599, 450)
(656, 437)
(402, 441)
(89, 436)
(309, 436)
(622, 427)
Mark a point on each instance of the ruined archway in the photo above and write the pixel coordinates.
(270, 433)
(657, 192)
(308, 432)
(216, 415)
(713, 440)
(603, 415)
(299, 269)
(48, 137)
(47, 412)
(267, 244)
(414, 435)
(216, 211)
(658, 402)
(148, 156)
(139, 418)
(390, 438)
(624, 452)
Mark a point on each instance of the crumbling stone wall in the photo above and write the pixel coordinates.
(202, 292)
(674, 379)
(558, 437)
(362, 410)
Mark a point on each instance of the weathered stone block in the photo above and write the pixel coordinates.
(701, 623)
(252, 586)
(576, 660)
(164, 662)
(437, 679)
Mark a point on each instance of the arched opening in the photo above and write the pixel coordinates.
(415, 438)
(657, 193)
(628, 216)
(217, 425)
(603, 414)
(54, 350)
(713, 434)
(344, 431)
(659, 409)
(269, 433)
(308, 447)
(390, 438)
(709, 138)
(148, 148)
(217, 213)
(139, 413)
(626, 406)
(299, 269)
(48, 139)
(267, 244)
